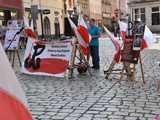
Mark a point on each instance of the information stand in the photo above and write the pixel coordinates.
(83, 62)
(129, 59)
(12, 37)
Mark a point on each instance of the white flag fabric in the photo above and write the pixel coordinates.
(13, 103)
(79, 37)
(148, 37)
(81, 22)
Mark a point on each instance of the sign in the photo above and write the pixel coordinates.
(50, 59)
(46, 11)
(12, 36)
(128, 54)
(11, 39)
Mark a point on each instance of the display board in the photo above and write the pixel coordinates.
(47, 58)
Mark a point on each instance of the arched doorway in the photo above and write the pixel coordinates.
(47, 26)
(57, 27)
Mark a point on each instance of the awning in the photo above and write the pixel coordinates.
(17, 4)
(12, 4)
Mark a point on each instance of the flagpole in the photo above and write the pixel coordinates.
(142, 70)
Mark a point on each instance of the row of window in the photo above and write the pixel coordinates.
(141, 13)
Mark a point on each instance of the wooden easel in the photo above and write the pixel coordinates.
(12, 54)
(128, 69)
(76, 48)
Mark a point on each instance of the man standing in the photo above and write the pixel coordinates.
(94, 44)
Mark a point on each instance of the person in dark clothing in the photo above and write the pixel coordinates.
(94, 44)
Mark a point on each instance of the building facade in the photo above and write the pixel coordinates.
(83, 6)
(106, 12)
(148, 11)
(50, 23)
(123, 7)
(95, 10)
(119, 6)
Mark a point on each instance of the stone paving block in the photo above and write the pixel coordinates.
(131, 118)
(113, 109)
(121, 113)
(136, 115)
(71, 118)
(92, 112)
(115, 117)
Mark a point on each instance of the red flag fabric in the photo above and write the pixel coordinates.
(29, 30)
(83, 30)
(13, 103)
(30, 33)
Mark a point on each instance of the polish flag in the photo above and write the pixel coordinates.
(148, 39)
(13, 103)
(117, 55)
(80, 33)
(83, 30)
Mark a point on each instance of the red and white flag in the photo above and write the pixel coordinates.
(117, 55)
(82, 35)
(83, 30)
(13, 103)
(148, 39)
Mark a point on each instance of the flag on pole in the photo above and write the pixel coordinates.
(13, 103)
(148, 39)
(83, 30)
(117, 55)
(82, 36)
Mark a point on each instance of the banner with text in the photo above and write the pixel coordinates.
(51, 59)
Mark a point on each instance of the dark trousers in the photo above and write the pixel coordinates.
(94, 51)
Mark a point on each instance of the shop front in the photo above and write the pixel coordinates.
(10, 9)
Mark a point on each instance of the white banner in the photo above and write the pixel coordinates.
(11, 39)
(12, 36)
(51, 59)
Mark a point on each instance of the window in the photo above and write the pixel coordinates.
(139, 13)
(155, 16)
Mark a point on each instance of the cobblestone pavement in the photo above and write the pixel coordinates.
(95, 98)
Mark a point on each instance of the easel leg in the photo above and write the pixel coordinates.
(74, 50)
(85, 60)
(9, 55)
(108, 72)
(142, 70)
(122, 72)
(18, 57)
(13, 52)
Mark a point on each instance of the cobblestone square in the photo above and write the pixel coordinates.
(93, 97)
